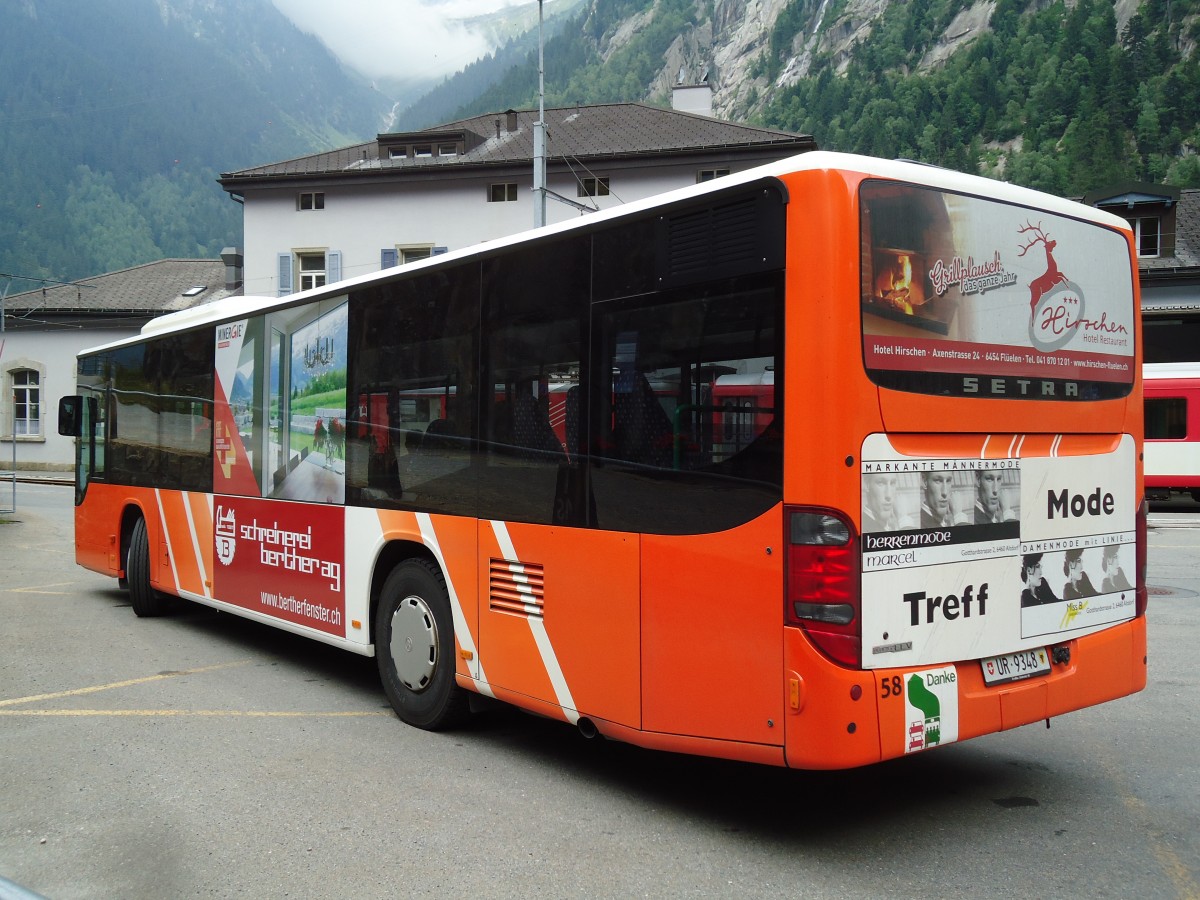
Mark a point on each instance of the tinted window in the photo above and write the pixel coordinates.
(535, 314)
(620, 378)
(158, 407)
(1166, 418)
(686, 424)
(413, 392)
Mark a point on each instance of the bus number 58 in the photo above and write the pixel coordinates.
(892, 687)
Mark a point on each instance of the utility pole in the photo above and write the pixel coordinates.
(539, 138)
(4, 297)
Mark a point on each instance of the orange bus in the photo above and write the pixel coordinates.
(826, 433)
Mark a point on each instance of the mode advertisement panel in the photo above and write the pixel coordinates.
(285, 560)
(970, 558)
(1020, 300)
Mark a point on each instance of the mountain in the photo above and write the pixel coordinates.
(513, 32)
(1062, 97)
(118, 115)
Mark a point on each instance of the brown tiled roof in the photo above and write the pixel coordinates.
(148, 290)
(604, 131)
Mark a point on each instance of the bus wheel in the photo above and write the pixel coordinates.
(414, 647)
(146, 601)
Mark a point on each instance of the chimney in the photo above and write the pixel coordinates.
(232, 257)
(692, 98)
(511, 124)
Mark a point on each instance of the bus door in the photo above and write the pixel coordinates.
(710, 624)
(559, 618)
(559, 604)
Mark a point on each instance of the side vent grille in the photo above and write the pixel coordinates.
(718, 237)
(516, 587)
(731, 236)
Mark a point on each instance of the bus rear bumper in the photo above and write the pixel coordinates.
(840, 718)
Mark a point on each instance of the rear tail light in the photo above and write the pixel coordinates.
(1141, 593)
(822, 590)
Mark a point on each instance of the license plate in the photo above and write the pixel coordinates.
(1015, 666)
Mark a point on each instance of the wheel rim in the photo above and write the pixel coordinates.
(414, 643)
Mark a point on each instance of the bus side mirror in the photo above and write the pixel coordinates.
(70, 416)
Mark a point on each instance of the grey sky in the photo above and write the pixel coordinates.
(395, 38)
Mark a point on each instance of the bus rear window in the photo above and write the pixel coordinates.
(969, 297)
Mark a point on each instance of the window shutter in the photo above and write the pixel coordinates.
(285, 274)
(333, 266)
(389, 257)
(438, 251)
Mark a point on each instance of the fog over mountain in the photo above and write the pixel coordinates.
(116, 117)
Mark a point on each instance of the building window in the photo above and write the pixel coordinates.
(1146, 232)
(447, 149)
(311, 200)
(709, 174)
(502, 193)
(312, 270)
(593, 187)
(397, 152)
(423, 150)
(412, 254)
(26, 392)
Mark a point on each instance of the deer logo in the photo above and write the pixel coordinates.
(1052, 276)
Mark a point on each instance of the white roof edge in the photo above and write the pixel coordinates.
(812, 160)
(226, 307)
(951, 180)
(1171, 370)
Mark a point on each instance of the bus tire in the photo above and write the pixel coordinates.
(414, 647)
(144, 599)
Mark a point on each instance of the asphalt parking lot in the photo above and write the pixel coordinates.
(201, 755)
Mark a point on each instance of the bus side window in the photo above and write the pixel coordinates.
(684, 420)
(642, 431)
(414, 341)
(531, 431)
(534, 313)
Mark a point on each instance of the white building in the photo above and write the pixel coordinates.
(406, 196)
(41, 332)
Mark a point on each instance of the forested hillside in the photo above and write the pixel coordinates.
(1048, 94)
(1052, 98)
(116, 116)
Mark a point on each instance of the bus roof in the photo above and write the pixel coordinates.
(232, 308)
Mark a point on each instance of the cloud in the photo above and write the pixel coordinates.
(395, 39)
